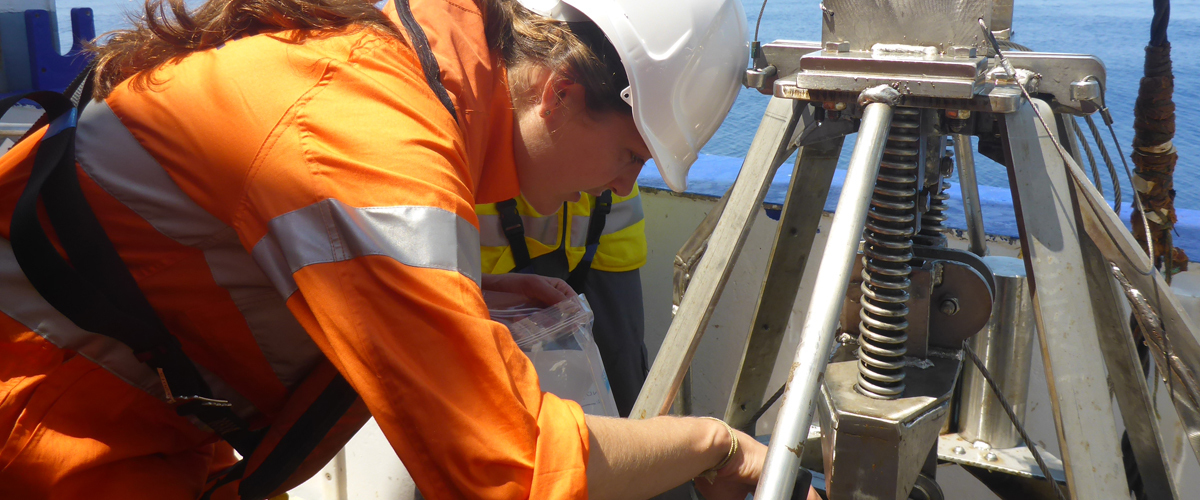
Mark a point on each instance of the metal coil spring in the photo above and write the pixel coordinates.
(933, 227)
(886, 254)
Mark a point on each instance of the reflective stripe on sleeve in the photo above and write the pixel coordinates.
(543, 229)
(116, 161)
(331, 231)
(622, 215)
(21, 302)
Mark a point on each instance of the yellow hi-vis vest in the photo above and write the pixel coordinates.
(622, 243)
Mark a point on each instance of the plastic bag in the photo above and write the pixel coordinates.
(559, 342)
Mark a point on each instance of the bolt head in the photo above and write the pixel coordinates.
(949, 307)
(959, 450)
(991, 457)
(837, 46)
(962, 52)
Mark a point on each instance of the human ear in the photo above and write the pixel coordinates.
(561, 98)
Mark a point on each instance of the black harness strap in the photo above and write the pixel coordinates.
(95, 290)
(514, 231)
(595, 229)
(300, 440)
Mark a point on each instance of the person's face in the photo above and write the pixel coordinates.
(562, 149)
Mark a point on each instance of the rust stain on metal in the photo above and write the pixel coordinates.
(792, 372)
(796, 450)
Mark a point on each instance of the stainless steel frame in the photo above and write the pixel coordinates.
(833, 276)
(1083, 414)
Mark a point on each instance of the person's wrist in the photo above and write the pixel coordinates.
(725, 443)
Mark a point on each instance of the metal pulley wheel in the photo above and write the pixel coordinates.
(926, 489)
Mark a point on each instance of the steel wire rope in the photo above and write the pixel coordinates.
(1112, 167)
(759, 21)
(1137, 198)
(1091, 159)
(1012, 415)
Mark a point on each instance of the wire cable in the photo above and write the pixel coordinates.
(1012, 415)
(1137, 197)
(766, 406)
(1112, 168)
(759, 21)
(1091, 159)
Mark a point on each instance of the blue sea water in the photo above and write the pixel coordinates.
(1115, 30)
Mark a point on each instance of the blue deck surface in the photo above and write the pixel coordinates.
(712, 175)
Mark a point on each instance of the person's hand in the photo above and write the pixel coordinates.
(740, 477)
(547, 291)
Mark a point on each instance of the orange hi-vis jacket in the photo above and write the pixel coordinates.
(282, 204)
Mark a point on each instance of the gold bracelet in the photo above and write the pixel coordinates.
(711, 474)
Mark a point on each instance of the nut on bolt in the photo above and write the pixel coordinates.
(958, 114)
(837, 46)
(949, 307)
(959, 52)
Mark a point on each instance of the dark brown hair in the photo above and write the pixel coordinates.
(578, 50)
(167, 32)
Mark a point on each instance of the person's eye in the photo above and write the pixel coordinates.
(634, 158)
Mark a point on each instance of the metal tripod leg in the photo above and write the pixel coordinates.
(970, 194)
(793, 242)
(824, 308)
(769, 149)
(1118, 246)
(1046, 216)
(1125, 373)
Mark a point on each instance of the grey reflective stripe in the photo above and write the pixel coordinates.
(623, 215)
(331, 231)
(21, 302)
(115, 160)
(543, 229)
(287, 347)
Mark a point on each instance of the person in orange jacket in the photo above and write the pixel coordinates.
(291, 185)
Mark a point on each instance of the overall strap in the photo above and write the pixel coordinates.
(595, 229)
(514, 231)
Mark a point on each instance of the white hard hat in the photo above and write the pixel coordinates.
(684, 60)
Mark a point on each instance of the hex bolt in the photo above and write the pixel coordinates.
(963, 52)
(837, 46)
(949, 307)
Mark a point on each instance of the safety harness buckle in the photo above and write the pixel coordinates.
(181, 402)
